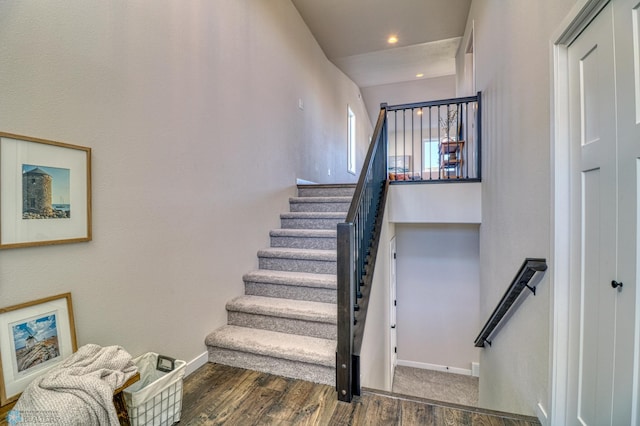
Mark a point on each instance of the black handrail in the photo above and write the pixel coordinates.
(357, 249)
(520, 282)
(427, 104)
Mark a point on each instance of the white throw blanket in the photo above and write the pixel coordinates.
(80, 390)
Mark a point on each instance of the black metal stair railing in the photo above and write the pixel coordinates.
(357, 248)
(359, 235)
(520, 282)
(435, 141)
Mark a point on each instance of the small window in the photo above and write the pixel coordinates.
(351, 138)
(431, 158)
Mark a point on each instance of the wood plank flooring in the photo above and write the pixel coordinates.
(221, 395)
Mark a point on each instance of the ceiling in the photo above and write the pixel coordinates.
(353, 35)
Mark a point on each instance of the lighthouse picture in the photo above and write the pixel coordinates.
(45, 192)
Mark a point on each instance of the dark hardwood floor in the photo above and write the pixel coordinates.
(216, 394)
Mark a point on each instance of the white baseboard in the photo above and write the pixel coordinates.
(196, 363)
(304, 182)
(475, 369)
(436, 367)
(541, 413)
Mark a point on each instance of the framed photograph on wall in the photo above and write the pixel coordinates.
(45, 192)
(34, 337)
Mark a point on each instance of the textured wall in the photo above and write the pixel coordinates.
(513, 71)
(426, 89)
(438, 286)
(191, 109)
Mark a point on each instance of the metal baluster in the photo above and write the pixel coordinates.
(466, 136)
(430, 149)
(441, 171)
(404, 140)
(421, 142)
(413, 146)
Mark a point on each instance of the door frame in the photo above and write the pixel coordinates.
(393, 321)
(562, 238)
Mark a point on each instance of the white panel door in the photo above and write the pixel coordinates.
(593, 139)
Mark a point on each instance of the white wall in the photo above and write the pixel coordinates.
(409, 208)
(375, 360)
(191, 110)
(437, 293)
(513, 69)
(419, 90)
(436, 203)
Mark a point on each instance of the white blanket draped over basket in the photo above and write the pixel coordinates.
(80, 390)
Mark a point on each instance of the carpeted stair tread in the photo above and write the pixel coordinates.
(303, 233)
(329, 190)
(286, 323)
(305, 237)
(292, 347)
(314, 215)
(338, 199)
(305, 279)
(285, 308)
(312, 220)
(299, 254)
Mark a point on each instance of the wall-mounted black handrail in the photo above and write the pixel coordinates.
(520, 282)
(357, 248)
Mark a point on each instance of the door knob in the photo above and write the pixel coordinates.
(616, 284)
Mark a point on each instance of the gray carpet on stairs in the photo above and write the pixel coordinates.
(286, 323)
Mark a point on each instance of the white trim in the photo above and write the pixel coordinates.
(351, 141)
(304, 182)
(541, 413)
(577, 20)
(435, 367)
(472, 42)
(560, 240)
(196, 363)
(393, 287)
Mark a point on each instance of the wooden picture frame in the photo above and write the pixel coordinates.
(34, 337)
(45, 192)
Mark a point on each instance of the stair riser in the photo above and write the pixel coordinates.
(326, 192)
(283, 325)
(311, 294)
(310, 223)
(304, 243)
(319, 207)
(297, 265)
(281, 367)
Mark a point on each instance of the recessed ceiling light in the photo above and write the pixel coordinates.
(420, 75)
(392, 39)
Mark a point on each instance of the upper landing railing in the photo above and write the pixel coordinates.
(435, 141)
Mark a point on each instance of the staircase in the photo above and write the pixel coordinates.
(286, 323)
